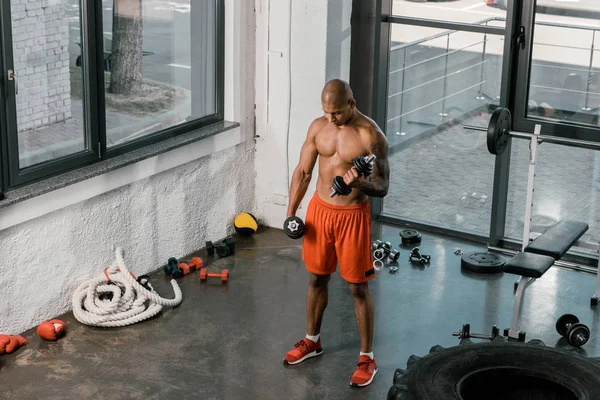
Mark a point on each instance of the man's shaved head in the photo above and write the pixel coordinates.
(338, 102)
(336, 92)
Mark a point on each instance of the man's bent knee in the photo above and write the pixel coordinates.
(359, 290)
(318, 281)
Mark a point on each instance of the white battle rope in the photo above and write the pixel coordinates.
(128, 298)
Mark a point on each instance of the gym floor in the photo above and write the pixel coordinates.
(228, 341)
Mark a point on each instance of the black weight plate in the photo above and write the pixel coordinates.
(486, 263)
(563, 321)
(410, 236)
(498, 128)
(578, 335)
(294, 227)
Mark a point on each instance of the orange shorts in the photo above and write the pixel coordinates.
(338, 234)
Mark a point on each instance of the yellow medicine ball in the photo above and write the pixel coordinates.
(245, 224)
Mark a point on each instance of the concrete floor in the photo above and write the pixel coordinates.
(228, 342)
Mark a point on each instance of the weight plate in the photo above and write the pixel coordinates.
(410, 236)
(293, 227)
(498, 128)
(563, 321)
(486, 263)
(578, 335)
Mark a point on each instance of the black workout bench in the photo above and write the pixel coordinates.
(537, 258)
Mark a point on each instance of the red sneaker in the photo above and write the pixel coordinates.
(365, 372)
(304, 349)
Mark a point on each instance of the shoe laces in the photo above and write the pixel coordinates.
(302, 344)
(365, 364)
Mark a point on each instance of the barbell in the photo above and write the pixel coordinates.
(500, 129)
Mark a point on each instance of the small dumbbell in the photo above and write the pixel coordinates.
(394, 255)
(224, 275)
(376, 245)
(466, 333)
(230, 241)
(386, 246)
(568, 326)
(390, 252)
(364, 167)
(184, 268)
(415, 255)
(384, 249)
(171, 266)
(210, 248)
(225, 249)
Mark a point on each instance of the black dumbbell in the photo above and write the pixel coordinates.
(376, 245)
(293, 227)
(568, 326)
(230, 241)
(466, 333)
(378, 250)
(171, 266)
(364, 167)
(394, 255)
(384, 249)
(225, 249)
(390, 252)
(415, 255)
(210, 248)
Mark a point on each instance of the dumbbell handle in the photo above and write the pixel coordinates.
(472, 335)
(367, 161)
(213, 275)
(371, 158)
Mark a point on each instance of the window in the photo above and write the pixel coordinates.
(445, 65)
(558, 65)
(440, 172)
(443, 68)
(88, 80)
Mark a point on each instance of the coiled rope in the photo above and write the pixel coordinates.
(115, 298)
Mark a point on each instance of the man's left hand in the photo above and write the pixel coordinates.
(352, 178)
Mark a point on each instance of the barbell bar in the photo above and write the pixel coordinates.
(499, 130)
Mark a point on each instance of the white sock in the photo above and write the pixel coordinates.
(367, 354)
(313, 338)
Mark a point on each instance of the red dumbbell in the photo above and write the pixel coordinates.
(185, 268)
(224, 275)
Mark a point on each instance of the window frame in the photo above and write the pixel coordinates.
(520, 120)
(94, 127)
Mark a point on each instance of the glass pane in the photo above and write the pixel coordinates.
(440, 172)
(159, 63)
(564, 81)
(565, 187)
(466, 11)
(47, 46)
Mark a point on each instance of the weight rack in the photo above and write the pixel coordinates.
(535, 139)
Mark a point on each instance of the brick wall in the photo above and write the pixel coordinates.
(41, 57)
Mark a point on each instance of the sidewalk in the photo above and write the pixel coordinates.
(66, 137)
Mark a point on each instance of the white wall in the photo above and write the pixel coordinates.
(52, 243)
(299, 46)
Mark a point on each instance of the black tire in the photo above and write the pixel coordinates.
(495, 370)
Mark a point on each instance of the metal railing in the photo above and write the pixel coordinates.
(482, 80)
(445, 55)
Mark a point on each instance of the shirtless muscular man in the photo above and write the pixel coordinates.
(338, 230)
